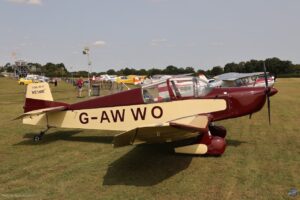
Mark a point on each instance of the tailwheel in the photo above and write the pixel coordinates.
(39, 137)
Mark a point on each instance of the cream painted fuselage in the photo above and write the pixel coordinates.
(124, 118)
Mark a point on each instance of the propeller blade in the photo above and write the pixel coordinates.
(267, 93)
(269, 109)
(265, 73)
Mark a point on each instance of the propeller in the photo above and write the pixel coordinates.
(267, 93)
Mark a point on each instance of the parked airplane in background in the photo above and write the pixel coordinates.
(32, 78)
(233, 79)
(130, 79)
(106, 77)
(159, 77)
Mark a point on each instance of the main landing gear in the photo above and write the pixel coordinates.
(211, 142)
(39, 137)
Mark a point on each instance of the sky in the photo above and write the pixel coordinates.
(148, 33)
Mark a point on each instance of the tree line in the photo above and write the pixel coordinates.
(274, 65)
(277, 67)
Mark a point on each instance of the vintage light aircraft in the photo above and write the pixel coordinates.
(233, 79)
(160, 77)
(143, 116)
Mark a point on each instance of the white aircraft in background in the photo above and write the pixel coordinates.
(159, 77)
(234, 79)
(106, 77)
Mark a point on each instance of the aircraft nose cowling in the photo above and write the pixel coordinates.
(272, 91)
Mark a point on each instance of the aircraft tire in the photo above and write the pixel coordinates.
(217, 146)
(37, 138)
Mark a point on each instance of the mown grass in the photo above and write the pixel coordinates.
(261, 161)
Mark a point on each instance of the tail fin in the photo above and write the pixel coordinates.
(40, 91)
(38, 96)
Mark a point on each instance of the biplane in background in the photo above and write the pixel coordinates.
(168, 110)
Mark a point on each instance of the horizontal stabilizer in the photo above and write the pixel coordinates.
(42, 111)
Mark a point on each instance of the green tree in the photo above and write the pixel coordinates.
(10, 69)
(231, 67)
(111, 72)
(217, 70)
(172, 70)
(154, 71)
(189, 70)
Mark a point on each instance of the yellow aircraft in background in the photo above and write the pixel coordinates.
(25, 81)
(131, 79)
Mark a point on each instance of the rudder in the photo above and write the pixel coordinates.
(40, 91)
(39, 96)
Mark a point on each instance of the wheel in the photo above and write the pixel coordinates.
(37, 138)
(218, 131)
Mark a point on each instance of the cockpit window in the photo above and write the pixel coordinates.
(156, 93)
(178, 87)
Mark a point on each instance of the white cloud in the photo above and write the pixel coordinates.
(158, 41)
(99, 43)
(29, 2)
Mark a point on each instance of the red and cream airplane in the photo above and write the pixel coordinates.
(143, 115)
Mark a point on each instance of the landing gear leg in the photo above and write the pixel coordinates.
(39, 137)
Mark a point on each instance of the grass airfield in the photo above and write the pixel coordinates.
(260, 162)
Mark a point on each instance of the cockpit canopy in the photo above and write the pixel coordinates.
(175, 88)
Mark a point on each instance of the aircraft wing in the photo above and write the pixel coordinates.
(179, 129)
(232, 76)
(41, 111)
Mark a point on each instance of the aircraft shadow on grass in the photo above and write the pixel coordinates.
(150, 164)
(66, 136)
(146, 165)
(234, 143)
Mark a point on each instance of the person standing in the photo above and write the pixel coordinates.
(79, 85)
